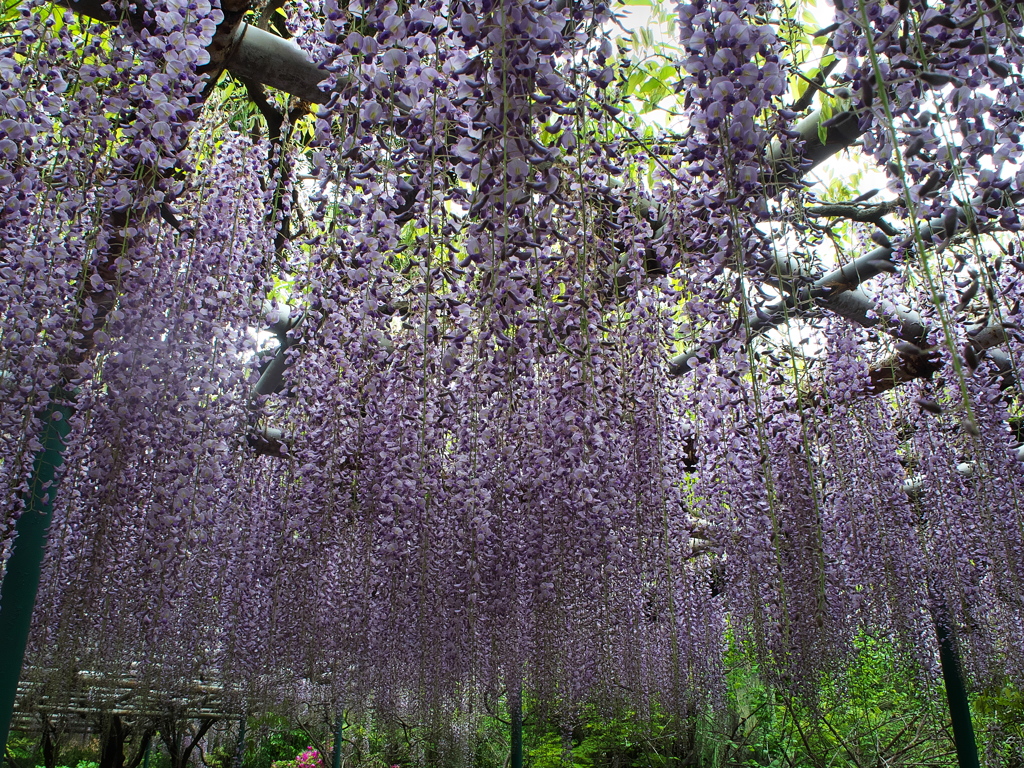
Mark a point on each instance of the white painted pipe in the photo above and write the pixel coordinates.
(276, 62)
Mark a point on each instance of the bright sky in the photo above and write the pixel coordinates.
(639, 13)
(844, 165)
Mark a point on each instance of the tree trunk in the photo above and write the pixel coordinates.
(180, 742)
(112, 739)
(143, 748)
(50, 743)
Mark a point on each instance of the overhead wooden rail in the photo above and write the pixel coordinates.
(93, 695)
(242, 49)
(104, 692)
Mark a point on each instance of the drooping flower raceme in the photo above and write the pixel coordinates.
(477, 476)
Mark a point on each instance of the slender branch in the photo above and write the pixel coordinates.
(854, 211)
(266, 17)
(204, 726)
(647, 147)
(814, 84)
(872, 214)
(258, 96)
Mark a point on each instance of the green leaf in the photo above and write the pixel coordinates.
(631, 84)
(826, 114)
(650, 86)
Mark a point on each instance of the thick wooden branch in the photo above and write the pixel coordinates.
(901, 368)
(271, 381)
(225, 40)
(853, 211)
(783, 167)
(244, 50)
(867, 214)
(909, 365)
(268, 442)
(841, 293)
(815, 83)
(278, 63)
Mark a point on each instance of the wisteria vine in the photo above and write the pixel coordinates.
(477, 475)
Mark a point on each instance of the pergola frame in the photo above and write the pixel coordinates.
(256, 55)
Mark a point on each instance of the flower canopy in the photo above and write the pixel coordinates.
(551, 398)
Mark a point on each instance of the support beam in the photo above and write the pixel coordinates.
(339, 732)
(250, 53)
(956, 691)
(840, 291)
(21, 578)
(515, 705)
(239, 757)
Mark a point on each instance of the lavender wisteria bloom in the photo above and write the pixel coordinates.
(475, 472)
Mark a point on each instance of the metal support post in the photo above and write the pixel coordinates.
(515, 706)
(956, 691)
(21, 580)
(339, 728)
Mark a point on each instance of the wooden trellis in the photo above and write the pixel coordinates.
(262, 57)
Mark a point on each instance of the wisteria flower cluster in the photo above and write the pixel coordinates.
(464, 467)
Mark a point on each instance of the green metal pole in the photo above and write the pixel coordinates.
(240, 745)
(149, 748)
(515, 705)
(339, 728)
(956, 691)
(21, 580)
